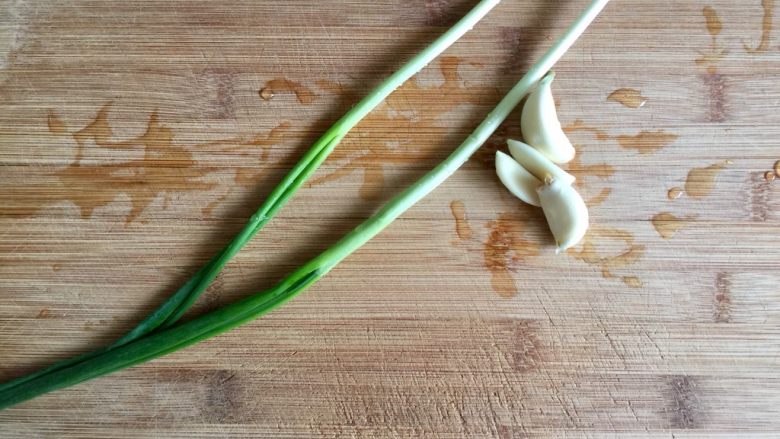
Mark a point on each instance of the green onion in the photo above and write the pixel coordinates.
(170, 338)
(172, 309)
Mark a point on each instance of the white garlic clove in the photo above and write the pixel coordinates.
(536, 163)
(540, 126)
(566, 213)
(517, 179)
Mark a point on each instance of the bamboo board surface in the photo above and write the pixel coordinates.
(136, 138)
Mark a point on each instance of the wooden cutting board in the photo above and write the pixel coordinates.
(137, 137)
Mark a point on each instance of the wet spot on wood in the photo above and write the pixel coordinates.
(373, 182)
(505, 247)
(701, 181)
(56, 267)
(579, 125)
(713, 22)
(92, 186)
(56, 126)
(632, 281)
(209, 209)
(674, 193)
(766, 28)
(462, 227)
(647, 142)
(387, 147)
(303, 94)
(776, 168)
(249, 174)
(526, 348)
(143, 168)
(769, 176)
(684, 406)
(722, 298)
(667, 225)
(266, 93)
(486, 155)
(627, 254)
(628, 97)
(585, 174)
(45, 313)
(714, 26)
(600, 198)
(715, 85)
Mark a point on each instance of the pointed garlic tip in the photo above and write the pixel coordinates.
(517, 179)
(540, 126)
(536, 163)
(566, 213)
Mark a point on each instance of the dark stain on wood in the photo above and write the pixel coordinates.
(509, 37)
(715, 85)
(441, 12)
(684, 407)
(722, 298)
(526, 348)
(223, 397)
(758, 197)
(226, 103)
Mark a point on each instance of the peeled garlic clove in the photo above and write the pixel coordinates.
(517, 179)
(540, 125)
(566, 213)
(536, 163)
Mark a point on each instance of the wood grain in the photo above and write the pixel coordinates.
(135, 140)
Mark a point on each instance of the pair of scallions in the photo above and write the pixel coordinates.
(163, 332)
(531, 173)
